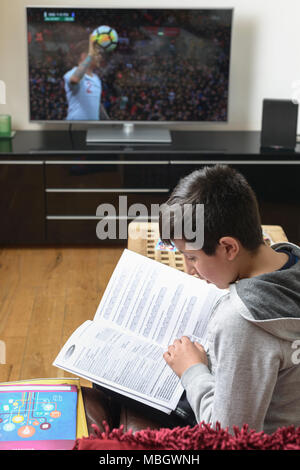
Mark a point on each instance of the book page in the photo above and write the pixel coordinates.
(107, 355)
(156, 301)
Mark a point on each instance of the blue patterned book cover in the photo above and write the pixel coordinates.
(38, 416)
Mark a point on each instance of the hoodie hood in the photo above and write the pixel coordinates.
(272, 300)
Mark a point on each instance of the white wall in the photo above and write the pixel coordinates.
(265, 58)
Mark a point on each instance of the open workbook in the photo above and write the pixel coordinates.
(145, 307)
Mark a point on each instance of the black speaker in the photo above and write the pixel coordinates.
(279, 124)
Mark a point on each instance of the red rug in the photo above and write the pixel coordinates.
(199, 437)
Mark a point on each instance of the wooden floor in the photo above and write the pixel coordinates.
(45, 294)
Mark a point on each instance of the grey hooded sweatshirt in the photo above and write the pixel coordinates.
(253, 348)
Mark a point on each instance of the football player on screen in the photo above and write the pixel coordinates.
(84, 87)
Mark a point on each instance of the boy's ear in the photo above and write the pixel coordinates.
(230, 246)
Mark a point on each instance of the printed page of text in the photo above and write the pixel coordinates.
(123, 362)
(157, 302)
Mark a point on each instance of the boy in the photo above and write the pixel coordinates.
(249, 372)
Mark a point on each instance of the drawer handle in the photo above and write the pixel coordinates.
(94, 217)
(110, 190)
(21, 162)
(106, 162)
(235, 162)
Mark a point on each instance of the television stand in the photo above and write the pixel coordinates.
(128, 133)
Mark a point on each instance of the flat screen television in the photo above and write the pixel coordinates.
(134, 71)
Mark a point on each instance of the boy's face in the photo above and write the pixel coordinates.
(219, 268)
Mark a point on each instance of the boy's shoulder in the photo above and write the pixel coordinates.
(230, 313)
(272, 295)
(232, 324)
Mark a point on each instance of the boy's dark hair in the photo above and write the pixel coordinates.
(230, 207)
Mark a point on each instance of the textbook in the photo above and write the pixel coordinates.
(38, 416)
(145, 307)
(81, 425)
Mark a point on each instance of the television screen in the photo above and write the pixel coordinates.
(91, 64)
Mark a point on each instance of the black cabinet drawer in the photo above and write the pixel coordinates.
(22, 210)
(85, 202)
(107, 174)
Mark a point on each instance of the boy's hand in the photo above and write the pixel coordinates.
(183, 353)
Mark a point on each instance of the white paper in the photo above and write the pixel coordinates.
(155, 301)
(132, 364)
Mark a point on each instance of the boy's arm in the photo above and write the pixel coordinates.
(247, 365)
